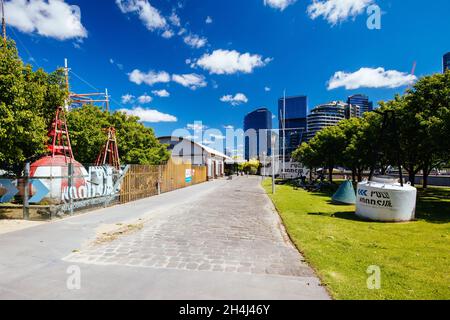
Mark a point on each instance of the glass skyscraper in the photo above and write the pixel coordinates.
(257, 127)
(362, 101)
(295, 110)
(446, 62)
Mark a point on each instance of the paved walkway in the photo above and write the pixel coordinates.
(219, 240)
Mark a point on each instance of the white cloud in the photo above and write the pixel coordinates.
(208, 20)
(230, 127)
(145, 99)
(149, 115)
(197, 126)
(127, 98)
(238, 99)
(175, 20)
(149, 15)
(192, 80)
(195, 41)
(230, 62)
(161, 93)
(48, 18)
(118, 65)
(154, 20)
(267, 89)
(149, 78)
(279, 4)
(370, 78)
(335, 11)
(167, 34)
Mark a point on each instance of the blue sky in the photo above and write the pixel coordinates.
(242, 50)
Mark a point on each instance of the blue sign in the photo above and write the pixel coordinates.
(188, 176)
(11, 190)
(41, 191)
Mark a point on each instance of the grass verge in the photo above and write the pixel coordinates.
(414, 257)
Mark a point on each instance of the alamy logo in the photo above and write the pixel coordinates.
(374, 20)
(74, 279)
(374, 279)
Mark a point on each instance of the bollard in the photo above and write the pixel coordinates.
(26, 192)
(70, 184)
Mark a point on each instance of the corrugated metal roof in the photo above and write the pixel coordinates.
(207, 149)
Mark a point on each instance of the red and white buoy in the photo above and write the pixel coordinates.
(53, 170)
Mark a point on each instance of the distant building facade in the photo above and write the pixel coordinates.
(294, 112)
(446, 62)
(328, 115)
(362, 101)
(258, 128)
(186, 151)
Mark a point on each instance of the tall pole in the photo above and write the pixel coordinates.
(272, 137)
(107, 100)
(3, 23)
(284, 132)
(264, 165)
(66, 75)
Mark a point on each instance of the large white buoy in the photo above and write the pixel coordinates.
(384, 199)
(56, 169)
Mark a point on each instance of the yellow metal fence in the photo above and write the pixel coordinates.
(142, 181)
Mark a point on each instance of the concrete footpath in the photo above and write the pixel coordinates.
(217, 240)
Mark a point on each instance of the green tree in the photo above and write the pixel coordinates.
(307, 156)
(325, 149)
(137, 144)
(86, 126)
(426, 110)
(27, 102)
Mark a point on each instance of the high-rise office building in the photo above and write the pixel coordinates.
(258, 128)
(328, 115)
(362, 101)
(293, 112)
(446, 62)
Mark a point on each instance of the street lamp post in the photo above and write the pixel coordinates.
(264, 165)
(274, 137)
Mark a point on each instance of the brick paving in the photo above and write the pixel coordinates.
(233, 229)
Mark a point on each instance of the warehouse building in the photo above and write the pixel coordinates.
(187, 151)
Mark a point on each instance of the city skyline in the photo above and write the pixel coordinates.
(173, 69)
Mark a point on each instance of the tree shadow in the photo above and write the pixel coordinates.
(433, 205)
(346, 215)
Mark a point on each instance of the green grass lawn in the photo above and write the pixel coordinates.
(414, 257)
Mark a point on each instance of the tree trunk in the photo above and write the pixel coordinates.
(330, 174)
(425, 180)
(360, 172)
(426, 172)
(354, 175)
(412, 177)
